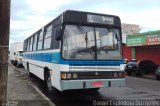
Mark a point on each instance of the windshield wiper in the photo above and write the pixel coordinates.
(116, 35)
(81, 30)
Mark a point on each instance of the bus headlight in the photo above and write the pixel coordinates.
(118, 74)
(75, 75)
(121, 75)
(115, 75)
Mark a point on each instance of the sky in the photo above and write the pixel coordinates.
(27, 16)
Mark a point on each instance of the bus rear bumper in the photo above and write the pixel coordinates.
(86, 84)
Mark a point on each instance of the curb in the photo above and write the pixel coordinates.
(45, 97)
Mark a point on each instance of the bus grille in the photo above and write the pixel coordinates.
(94, 68)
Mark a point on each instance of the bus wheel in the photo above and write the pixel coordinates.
(49, 84)
(18, 65)
(47, 79)
(15, 63)
(51, 90)
(12, 62)
(28, 73)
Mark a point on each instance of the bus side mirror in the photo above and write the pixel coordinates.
(58, 33)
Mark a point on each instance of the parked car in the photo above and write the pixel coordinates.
(158, 73)
(140, 67)
(147, 66)
(132, 68)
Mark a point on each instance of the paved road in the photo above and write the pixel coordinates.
(150, 85)
(136, 89)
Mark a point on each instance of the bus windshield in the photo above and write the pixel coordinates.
(20, 53)
(91, 43)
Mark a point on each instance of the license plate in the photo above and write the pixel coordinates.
(97, 84)
(130, 66)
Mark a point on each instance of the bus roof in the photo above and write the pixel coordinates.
(82, 17)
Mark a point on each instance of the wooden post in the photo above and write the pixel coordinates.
(4, 42)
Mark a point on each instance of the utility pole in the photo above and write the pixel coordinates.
(4, 42)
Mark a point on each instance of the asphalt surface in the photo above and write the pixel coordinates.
(138, 91)
(145, 84)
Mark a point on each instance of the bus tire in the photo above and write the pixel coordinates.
(29, 74)
(47, 80)
(48, 83)
(12, 62)
(17, 65)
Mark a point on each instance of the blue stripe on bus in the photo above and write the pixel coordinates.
(45, 57)
(56, 58)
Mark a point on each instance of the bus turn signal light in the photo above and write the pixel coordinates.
(63, 76)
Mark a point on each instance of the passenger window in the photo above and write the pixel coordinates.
(47, 37)
(35, 42)
(40, 40)
(28, 44)
(31, 44)
(25, 46)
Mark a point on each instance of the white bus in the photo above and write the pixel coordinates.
(77, 50)
(16, 53)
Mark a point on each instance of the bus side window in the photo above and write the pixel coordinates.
(55, 43)
(25, 46)
(31, 44)
(35, 42)
(58, 32)
(40, 40)
(47, 37)
(28, 44)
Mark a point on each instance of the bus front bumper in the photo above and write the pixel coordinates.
(86, 84)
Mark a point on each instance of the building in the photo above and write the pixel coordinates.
(130, 29)
(144, 46)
